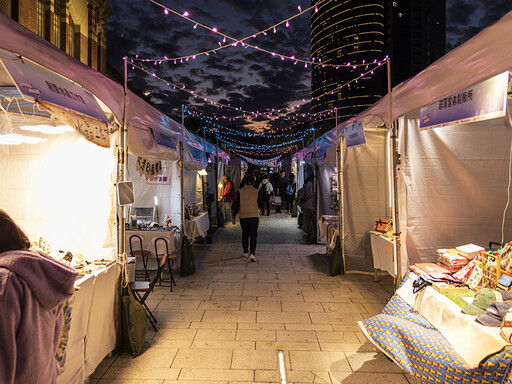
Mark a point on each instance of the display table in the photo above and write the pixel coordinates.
(444, 346)
(382, 251)
(148, 243)
(197, 227)
(92, 334)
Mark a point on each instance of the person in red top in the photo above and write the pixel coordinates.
(229, 196)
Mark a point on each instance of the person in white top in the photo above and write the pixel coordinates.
(265, 191)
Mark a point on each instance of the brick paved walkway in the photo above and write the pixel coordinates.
(224, 324)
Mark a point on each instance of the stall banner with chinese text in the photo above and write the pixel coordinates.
(483, 101)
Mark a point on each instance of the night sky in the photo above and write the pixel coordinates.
(241, 77)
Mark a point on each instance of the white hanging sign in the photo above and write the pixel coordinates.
(354, 135)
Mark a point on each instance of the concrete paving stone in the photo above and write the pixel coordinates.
(195, 382)
(270, 306)
(225, 296)
(365, 378)
(283, 317)
(127, 381)
(371, 362)
(220, 305)
(344, 307)
(343, 347)
(338, 337)
(319, 361)
(215, 334)
(300, 336)
(226, 286)
(259, 286)
(141, 373)
(224, 344)
(230, 316)
(288, 345)
(261, 327)
(201, 325)
(166, 305)
(257, 359)
(257, 292)
(301, 307)
(255, 335)
(354, 327)
(150, 358)
(335, 318)
(203, 358)
(207, 375)
(285, 286)
(309, 327)
(175, 333)
(178, 315)
(168, 343)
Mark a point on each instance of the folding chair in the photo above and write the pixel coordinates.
(142, 253)
(145, 288)
(170, 258)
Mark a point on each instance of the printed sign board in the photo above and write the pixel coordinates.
(483, 101)
(354, 135)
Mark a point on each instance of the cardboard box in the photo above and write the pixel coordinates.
(445, 287)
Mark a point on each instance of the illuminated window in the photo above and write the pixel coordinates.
(40, 18)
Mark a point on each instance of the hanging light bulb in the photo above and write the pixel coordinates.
(287, 24)
(300, 9)
(166, 11)
(275, 31)
(185, 14)
(316, 9)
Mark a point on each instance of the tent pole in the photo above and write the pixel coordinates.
(217, 210)
(182, 175)
(338, 188)
(392, 144)
(122, 164)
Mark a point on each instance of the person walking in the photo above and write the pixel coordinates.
(33, 290)
(265, 191)
(290, 192)
(280, 189)
(247, 204)
(228, 196)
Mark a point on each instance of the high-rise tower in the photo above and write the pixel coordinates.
(411, 32)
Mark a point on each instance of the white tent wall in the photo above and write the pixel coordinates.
(453, 185)
(60, 190)
(234, 171)
(365, 197)
(192, 187)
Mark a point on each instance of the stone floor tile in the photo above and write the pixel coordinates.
(301, 307)
(335, 318)
(220, 305)
(175, 334)
(261, 327)
(203, 358)
(338, 337)
(215, 334)
(371, 362)
(201, 325)
(304, 336)
(169, 304)
(224, 344)
(149, 358)
(283, 317)
(319, 361)
(141, 373)
(178, 315)
(288, 345)
(270, 306)
(255, 335)
(309, 327)
(208, 375)
(256, 359)
(344, 347)
(366, 378)
(228, 316)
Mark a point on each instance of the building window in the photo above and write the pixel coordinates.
(59, 14)
(40, 18)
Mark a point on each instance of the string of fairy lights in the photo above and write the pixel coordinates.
(243, 41)
(269, 113)
(290, 113)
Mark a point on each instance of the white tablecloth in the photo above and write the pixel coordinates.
(148, 243)
(197, 227)
(92, 334)
(382, 251)
(471, 340)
